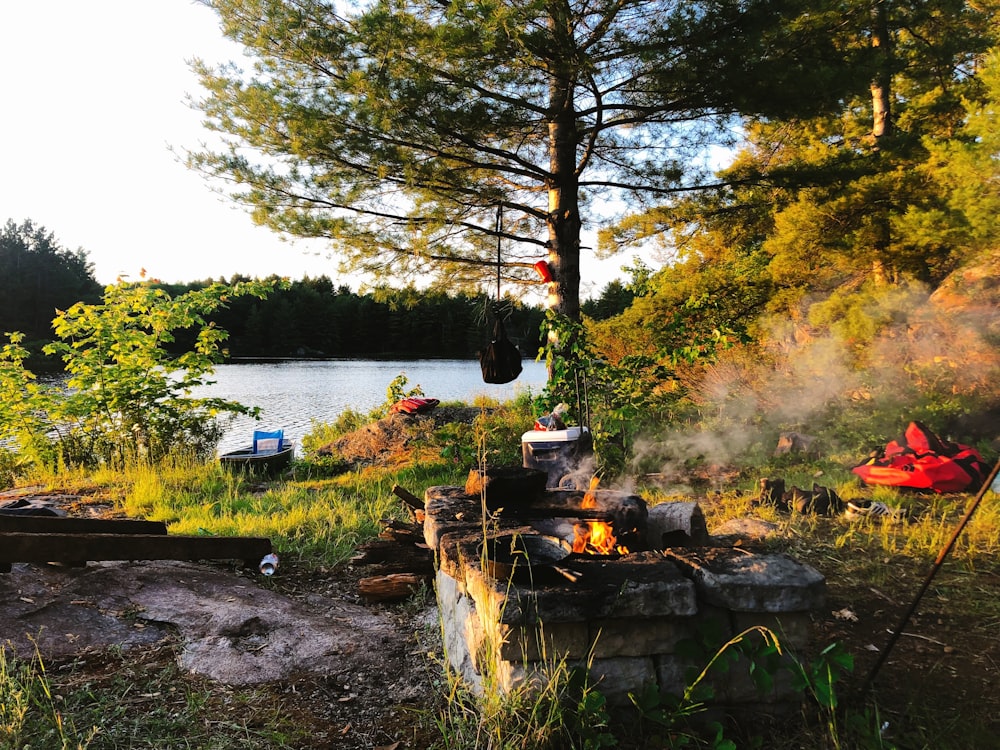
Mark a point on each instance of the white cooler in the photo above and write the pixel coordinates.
(556, 452)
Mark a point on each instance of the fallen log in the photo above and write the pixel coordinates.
(424, 568)
(413, 503)
(408, 497)
(382, 551)
(391, 587)
(403, 533)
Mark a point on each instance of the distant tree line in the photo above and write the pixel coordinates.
(38, 277)
(313, 317)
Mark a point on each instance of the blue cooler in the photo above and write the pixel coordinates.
(556, 452)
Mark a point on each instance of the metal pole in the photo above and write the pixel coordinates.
(930, 577)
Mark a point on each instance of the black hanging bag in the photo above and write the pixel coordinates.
(500, 360)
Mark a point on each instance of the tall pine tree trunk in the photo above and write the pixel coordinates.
(564, 220)
(881, 92)
(881, 85)
(563, 181)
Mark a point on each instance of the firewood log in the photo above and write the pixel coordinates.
(392, 587)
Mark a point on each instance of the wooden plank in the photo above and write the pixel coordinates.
(66, 525)
(74, 548)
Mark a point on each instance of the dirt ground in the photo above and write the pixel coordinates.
(937, 688)
(352, 673)
(300, 646)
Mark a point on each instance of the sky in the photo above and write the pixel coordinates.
(94, 99)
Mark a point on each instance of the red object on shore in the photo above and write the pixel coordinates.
(414, 405)
(542, 267)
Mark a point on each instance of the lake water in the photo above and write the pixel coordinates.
(294, 394)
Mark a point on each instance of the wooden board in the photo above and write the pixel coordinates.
(77, 548)
(65, 525)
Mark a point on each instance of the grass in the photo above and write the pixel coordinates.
(138, 700)
(31, 715)
(318, 518)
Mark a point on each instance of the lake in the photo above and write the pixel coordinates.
(293, 394)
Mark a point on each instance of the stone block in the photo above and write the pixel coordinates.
(475, 647)
(449, 509)
(552, 642)
(638, 585)
(638, 636)
(792, 629)
(748, 582)
(672, 673)
(458, 616)
(615, 678)
(676, 524)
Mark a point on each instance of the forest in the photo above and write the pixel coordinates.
(309, 317)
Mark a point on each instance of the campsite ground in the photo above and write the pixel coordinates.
(158, 654)
(936, 690)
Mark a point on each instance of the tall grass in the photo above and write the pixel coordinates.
(320, 521)
(29, 716)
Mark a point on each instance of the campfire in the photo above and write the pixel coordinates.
(595, 537)
(607, 582)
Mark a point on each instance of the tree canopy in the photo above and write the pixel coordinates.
(311, 317)
(399, 129)
(126, 396)
(844, 260)
(861, 193)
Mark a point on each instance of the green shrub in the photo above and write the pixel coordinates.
(127, 396)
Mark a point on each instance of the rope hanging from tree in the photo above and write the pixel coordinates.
(499, 228)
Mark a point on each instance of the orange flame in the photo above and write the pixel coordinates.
(594, 537)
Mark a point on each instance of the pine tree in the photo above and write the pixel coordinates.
(398, 128)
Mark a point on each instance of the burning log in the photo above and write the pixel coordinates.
(597, 536)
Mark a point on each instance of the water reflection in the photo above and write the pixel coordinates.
(295, 394)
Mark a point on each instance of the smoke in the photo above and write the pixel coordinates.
(885, 355)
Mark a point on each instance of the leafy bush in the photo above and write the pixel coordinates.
(127, 397)
(616, 400)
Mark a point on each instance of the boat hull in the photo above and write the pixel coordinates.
(248, 462)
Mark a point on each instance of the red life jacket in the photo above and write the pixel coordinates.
(414, 405)
(923, 461)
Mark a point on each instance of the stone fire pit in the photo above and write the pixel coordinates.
(623, 614)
